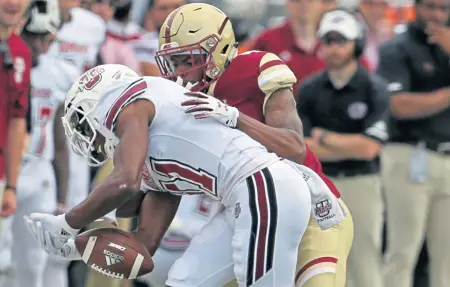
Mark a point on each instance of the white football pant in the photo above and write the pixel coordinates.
(255, 239)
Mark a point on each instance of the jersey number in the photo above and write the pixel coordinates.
(181, 178)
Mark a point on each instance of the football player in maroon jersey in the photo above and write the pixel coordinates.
(198, 50)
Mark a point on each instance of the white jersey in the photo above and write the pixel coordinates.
(50, 81)
(185, 155)
(79, 40)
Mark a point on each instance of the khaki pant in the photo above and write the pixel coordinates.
(362, 194)
(416, 211)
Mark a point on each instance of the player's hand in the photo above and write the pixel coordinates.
(52, 233)
(204, 106)
(9, 203)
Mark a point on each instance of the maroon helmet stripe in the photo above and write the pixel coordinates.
(168, 33)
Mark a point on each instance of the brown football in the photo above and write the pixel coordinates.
(114, 253)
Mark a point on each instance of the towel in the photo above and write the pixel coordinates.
(325, 207)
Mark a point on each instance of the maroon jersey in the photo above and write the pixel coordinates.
(248, 82)
(15, 65)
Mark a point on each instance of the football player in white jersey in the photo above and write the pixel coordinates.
(112, 112)
(46, 158)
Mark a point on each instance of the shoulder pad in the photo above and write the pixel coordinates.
(274, 74)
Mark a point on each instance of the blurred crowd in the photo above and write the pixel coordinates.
(409, 179)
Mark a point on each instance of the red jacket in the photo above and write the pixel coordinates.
(15, 68)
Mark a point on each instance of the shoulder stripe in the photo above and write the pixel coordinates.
(270, 64)
(134, 89)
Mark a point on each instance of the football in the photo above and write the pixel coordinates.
(114, 253)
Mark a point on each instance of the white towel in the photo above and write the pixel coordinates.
(325, 206)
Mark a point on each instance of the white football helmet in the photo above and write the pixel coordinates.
(43, 17)
(80, 123)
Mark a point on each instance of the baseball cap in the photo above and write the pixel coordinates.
(341, 22)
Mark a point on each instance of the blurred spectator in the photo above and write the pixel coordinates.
(146, 47)
(120, 26)
(113, 51)
(295, 41)
(343, 111)
(15, 61)
(43, 177)
(416, 163)
(377, 28)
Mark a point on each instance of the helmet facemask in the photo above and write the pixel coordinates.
(201, 60)
(87, 137)
(208, 57)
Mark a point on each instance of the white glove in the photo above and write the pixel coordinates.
(204, 106)
(53, 234)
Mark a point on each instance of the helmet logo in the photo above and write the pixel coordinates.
(169, 45)
(90, 79)
(211, 42)
(215, 72)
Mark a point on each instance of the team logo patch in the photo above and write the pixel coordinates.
(112, 258)
(357, 110)
(323, 208)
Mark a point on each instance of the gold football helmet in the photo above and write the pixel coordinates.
(201, 36)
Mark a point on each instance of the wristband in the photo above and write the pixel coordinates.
(10, 187)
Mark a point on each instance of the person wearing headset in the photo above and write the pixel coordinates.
(343, 110)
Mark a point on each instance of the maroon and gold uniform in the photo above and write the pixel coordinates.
(247, 83)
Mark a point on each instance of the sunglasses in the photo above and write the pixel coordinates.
(336, 38)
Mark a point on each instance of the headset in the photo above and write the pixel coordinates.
(360, 42)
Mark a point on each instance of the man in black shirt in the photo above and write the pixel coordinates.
(416, 162)
(343, 110)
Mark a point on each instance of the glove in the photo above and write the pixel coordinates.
(204, 106)
(53, 234)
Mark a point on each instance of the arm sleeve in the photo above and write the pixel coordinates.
(393, 67)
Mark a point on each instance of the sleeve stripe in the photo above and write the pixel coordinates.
(270, 64)
(134, 90)
(269, 77)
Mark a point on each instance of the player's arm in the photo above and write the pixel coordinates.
(16, 137)
(61, 160)
(283, 132)
(124, 180)
(156, 213)
(131, 207)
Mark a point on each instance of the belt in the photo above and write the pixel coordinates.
(349, 173)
